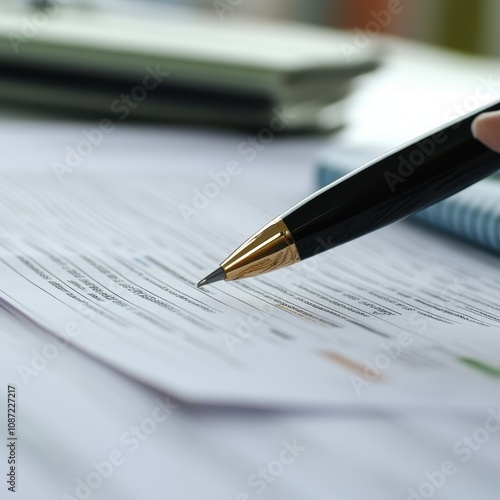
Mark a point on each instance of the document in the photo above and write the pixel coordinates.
(402, 318)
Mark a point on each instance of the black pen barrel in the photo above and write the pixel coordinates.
(392, 187)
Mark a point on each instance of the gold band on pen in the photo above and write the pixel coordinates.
(271, 248)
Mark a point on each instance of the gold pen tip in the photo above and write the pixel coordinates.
(218, 275)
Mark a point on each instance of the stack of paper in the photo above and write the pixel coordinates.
(194, 68)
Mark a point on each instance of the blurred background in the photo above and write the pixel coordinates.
(466, 25)
(74, 57)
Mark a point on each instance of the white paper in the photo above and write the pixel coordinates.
(75, 413)
(110, 265)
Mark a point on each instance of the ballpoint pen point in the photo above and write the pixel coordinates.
(217, 275)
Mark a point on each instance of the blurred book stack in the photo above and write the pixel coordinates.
(185, 68)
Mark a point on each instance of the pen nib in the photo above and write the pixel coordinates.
(218, 275)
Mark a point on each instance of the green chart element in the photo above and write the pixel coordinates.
(492, 371)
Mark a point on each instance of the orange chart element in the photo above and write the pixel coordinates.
(351, 365)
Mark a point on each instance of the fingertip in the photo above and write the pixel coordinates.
(486, 128)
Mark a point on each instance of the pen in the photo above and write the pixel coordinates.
(385, 190)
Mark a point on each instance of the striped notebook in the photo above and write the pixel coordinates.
(473, 214)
